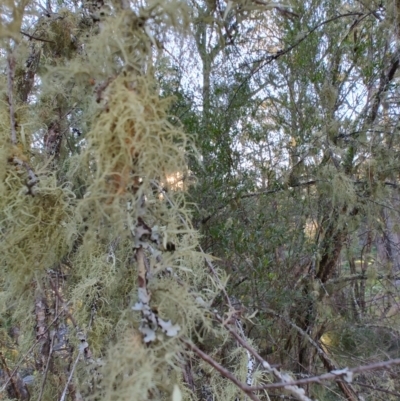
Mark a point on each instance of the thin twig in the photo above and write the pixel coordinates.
(47, 366)
(299, 393)
(59, 296)
(224, 372)
(330, 365)
(10, 84)
(269, 59)
(363, 276)
(36, 38)
(13, 384)
(332, 375)
(280, 189)
(379, 389)
(64, 393)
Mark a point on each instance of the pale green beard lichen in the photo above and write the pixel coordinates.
(91, 211)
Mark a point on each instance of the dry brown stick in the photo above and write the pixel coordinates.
(224, 372)
(379, 389)
(315, 379)
(10, 84)
(332, 375)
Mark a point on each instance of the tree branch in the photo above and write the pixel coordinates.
(224, 372)
(269, 59)
(35, 37)
(10, 87)
(64, 393)
(346, 388)
(295, 391)
(343, 373)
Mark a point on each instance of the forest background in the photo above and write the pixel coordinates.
(199, 200)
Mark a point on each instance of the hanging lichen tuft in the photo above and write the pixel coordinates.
(137, 282)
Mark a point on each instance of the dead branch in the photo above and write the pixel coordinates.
(61, 299)
(297, 392)
(10, 378)
(224, 372)
(345, 373)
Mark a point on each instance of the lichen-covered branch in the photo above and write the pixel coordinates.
(10, 84)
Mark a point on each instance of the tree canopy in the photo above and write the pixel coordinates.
(199, 200)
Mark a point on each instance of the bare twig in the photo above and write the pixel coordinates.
(363, 276)
(64, 393)
(224, 372)
(59, 296)
(297, 392)
(346, 373)
(260, 64)
(330, 365)
(35, 37)
(281, 188)
(13, 384)
(376, 388)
